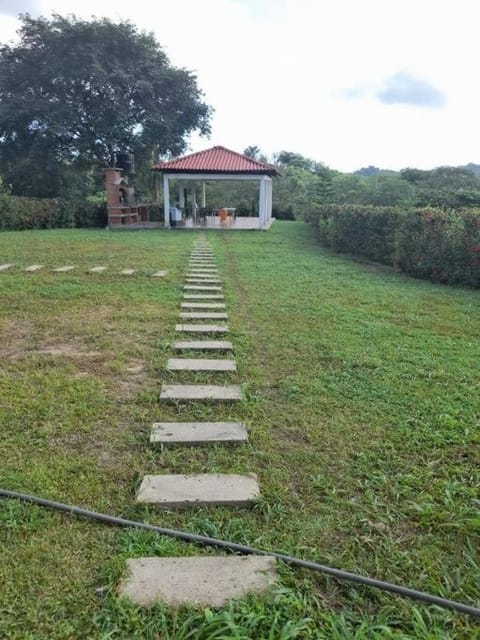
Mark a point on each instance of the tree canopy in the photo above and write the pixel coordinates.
(73, 91)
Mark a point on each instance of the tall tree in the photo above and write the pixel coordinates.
(73, 91)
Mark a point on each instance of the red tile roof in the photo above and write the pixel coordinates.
(216, 160)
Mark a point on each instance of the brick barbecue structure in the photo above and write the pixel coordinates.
(122, 205)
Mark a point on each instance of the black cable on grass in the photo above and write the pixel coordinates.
(240, 548)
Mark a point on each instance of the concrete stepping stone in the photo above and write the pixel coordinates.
(201, 275)
(203, 305)
(159, 274)
(200, 392)
(206, 272)
(208, 581)
(198, 364)
(204, 315)
(178, 490)
(199, 265)
(201, 287)
(128, 272)
(198, 280)
(34, 267)
(198, 433)
(201, 328)
(203, 296)
(97, 269)
(206, 345)
(4, 267)
(63, 269)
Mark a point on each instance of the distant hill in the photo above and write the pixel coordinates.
(474, 168)
(374, 171)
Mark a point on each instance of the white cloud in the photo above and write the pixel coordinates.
(277, 73)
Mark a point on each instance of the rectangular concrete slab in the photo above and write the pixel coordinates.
(204, 272)
(68, 267)
(200, 364)
(201, 287)
(203, 305)
(4, 267)
(204, 315)
(202, 281)
(200, 392)
(203, 296)
(201, 328)
(159, 274)
(127, 272)
(202, 261)
(208, 581)
(198, 433)
(178, 490)
(97, 269)
(34, 267)
(204, 345)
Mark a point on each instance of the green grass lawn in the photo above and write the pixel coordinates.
(361, 394)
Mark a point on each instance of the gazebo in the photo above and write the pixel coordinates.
(217, 163)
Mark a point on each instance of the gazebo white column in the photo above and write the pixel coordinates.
(166, 200)
(181, 195)
(265, 201)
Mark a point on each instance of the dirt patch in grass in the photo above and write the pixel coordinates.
(68, 351)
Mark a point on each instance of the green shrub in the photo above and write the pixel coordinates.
(432, 243)
(18, 213)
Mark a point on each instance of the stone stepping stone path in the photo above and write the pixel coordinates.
(128, 272)
(159, 274)
(97, 269)
(198, 433)
(196, 364)
(203, 305)
(201, 328)
(228, 393)
(204, 315)
(177, 490)
(209, 581)
(63, 269)
(4, 267)
(206, 345)
(34, 267)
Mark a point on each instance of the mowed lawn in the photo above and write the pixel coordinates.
(361, 395)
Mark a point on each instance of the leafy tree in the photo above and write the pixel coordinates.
(72, 92)
(444, 186)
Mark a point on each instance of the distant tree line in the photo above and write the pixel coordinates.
(306, 184)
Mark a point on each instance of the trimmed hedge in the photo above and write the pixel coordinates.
(435, 244)
(20, 213)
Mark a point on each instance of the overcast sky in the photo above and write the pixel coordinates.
(346, 82)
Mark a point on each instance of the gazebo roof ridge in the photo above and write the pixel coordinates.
(217, 159)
